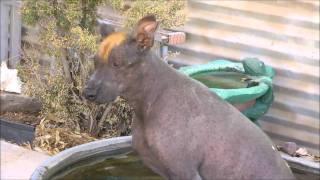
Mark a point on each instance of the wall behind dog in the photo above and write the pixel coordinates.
(10, 32)
(283, 34)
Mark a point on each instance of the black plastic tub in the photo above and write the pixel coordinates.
(78, 158)
(16, 132)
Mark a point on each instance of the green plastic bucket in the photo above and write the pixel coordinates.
(237, 82)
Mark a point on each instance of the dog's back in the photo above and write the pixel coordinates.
(196, 134)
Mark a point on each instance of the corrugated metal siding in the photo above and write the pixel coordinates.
(10, 32)
(283, 34)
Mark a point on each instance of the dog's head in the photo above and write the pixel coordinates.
(118, 61)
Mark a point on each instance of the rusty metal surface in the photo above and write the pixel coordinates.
(283, 34)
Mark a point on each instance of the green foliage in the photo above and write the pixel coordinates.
(66, 13)
(116, 4)
(171, 13)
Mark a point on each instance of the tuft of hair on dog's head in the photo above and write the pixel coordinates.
(109, 42)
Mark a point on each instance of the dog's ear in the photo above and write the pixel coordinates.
(144, 32)
(105, 30)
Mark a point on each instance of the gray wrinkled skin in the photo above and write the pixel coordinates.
(182, 130)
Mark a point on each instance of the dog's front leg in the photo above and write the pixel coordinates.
(197, 177)
(190, 176)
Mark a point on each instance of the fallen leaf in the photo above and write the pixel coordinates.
(302, 152)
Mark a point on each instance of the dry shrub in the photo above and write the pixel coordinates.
(67, 37)
(53, 136)
(118, 120)
(67, 120)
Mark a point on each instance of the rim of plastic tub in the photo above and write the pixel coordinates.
(120, 145)
(105, 147)
(302, 164)
(239, 95)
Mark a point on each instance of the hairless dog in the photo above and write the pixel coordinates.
(181, 130)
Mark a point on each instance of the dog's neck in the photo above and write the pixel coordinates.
(156, 75)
